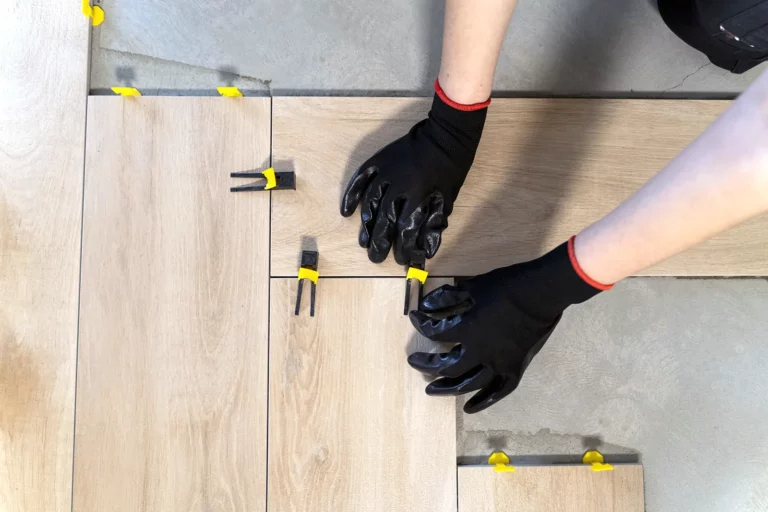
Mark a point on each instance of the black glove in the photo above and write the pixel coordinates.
(407, 189)
(500, 320)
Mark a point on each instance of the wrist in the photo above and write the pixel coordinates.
(579, 269)
(464, 102)
(602, 254)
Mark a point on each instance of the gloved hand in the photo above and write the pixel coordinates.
(407, 190)
(500, 321)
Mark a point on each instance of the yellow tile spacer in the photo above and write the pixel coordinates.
(307, 273)
(417, 273)
(595, 458)
(126, 91)
(269, 174)
(95, 13)
(230, 92)
(500, 462)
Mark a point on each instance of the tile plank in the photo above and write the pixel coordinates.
(546, 168)
(552, 489)
(351, 428)
(172, 378)
(43, 80)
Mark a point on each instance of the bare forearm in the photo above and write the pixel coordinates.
(717, 182)
(472, 38)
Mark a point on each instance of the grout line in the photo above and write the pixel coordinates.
(458, 422)
(269, 313)
(80, 264)
(457, 488)
(79, 296)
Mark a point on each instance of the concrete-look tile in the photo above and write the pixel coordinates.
(154, 77)
(674, 370)
(552, 47)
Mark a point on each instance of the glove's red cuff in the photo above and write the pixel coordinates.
(459, 106)
(580, 271)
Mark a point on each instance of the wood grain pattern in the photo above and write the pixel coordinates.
(172, 376)
(350, 428)
(43, 80)
(551, 489)
(545, 169)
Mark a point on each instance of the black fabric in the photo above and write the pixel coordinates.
(500, 321)
(406, 191)
(732, 33)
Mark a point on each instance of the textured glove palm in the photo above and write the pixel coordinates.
(406, 191)
(500, 321)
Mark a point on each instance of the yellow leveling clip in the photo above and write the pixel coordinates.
(96, 13)
(595, 458)
(269, 174)
(230, 92)
(306, 273)
(500, 462)
(126, 91)
(417, 273)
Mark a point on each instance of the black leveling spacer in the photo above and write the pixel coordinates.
(415, 271)
(275, 180)
(308, 270)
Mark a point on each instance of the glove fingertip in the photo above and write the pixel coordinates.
(350, 201)
(364, 239)
(430, 363)
(377, 255)
(447, 300)
(437, 388)
(475, 405)
(417, 360)
(432, 241)
(418, 319)
(485, 398)
(400, 258)
(474, 408)
(356, 186)
(380, 243)
(448, 386)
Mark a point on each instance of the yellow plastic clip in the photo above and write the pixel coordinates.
(595, 458)
(269, 174)
(500, 462)
(230, 92)
(307, 273)
(417, 273)
(96, 13)
(126, 91)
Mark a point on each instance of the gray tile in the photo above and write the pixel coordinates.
(672, 371)
(591, 47)
(160, 77)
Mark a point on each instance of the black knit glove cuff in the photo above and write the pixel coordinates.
(557, 281)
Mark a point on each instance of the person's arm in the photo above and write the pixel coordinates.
(717, 182)
(501, 319)
(472, 37)
(406, 191)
